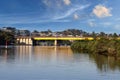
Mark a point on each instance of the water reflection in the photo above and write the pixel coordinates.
(23, 53)
(7, 55)
(104, 63)
(52, 54)
(57, 55)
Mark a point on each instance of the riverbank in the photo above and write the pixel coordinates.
(104, 46)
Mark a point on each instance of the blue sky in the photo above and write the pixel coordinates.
(57, 15)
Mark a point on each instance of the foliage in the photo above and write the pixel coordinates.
(6, 37)
(102, 46)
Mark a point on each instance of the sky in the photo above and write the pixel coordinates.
(58, 15)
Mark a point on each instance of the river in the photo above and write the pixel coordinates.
(55, 63)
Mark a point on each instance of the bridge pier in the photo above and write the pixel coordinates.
(25, 41)
(55, 43)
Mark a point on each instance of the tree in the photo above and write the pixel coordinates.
(94, 35)
(35, 31)
(6, 38)
(115, 35)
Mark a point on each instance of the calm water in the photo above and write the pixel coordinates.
(51, 63)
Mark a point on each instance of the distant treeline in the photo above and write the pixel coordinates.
(7, 34)
(104, 46)
(67, 32)
(77, 32)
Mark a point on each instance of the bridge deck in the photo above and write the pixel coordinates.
(63, 38)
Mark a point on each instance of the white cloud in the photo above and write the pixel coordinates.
(71, 11)
(76, 16)
(91, 24)
(54, 4)
(67, 2)
(47, 2)
(101, 11)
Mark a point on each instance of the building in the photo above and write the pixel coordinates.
(23, 33)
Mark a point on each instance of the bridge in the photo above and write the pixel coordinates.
(31, 40)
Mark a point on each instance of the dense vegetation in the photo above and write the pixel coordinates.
(6, 38)
(105, 46)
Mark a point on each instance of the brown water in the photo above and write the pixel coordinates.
(55, 63)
